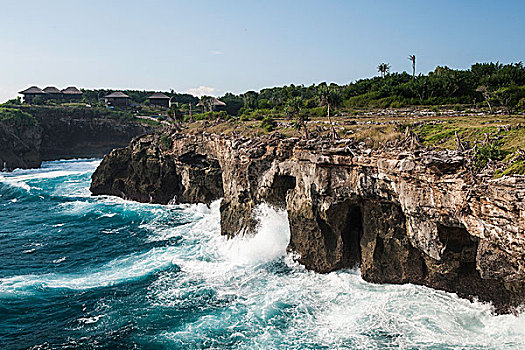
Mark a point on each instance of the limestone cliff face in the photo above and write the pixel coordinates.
(57, 133)
(403, 217)
(19, 144)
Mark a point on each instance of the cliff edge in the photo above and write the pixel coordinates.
(29, 135)
(402, 216)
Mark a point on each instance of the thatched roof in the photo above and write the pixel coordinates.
(158, 96)
(214, 102)
(32, 90)
(117, 94)
(71, 90)
(52, 90)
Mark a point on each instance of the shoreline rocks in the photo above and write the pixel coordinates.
(403, 216)
(61, 133)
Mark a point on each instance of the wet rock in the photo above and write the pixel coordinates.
(401, 216)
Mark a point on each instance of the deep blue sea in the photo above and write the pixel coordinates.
(99, 272)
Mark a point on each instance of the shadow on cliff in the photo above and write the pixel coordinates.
(397, 216)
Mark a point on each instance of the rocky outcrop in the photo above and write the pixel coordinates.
(402, 216)
(60, 132)
(20, 142)
(145, 172)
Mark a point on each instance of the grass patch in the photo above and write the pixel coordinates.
(516, 168)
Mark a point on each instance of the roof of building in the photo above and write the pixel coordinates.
(159, 96)
(71, 90)
(117, 94)
(32, 90)
(214, 102)
(51, 90)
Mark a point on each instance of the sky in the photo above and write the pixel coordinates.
(213, 47)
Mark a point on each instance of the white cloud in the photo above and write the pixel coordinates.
(216, 52)
(202, 90)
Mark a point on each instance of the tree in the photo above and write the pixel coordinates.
(207, 103)
(412, 58)
(329, 96)
(384, 69)
(250, 99)
(233, 103)
(487, 95)
(293, 110)
(510, 97)
(174, 114)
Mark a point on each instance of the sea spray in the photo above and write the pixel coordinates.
(269, 243)
(129, 275)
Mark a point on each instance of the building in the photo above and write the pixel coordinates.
(117, 99)
(159, 99)
(211, 104)
(71, 93)
(52, 93)
(31, 93)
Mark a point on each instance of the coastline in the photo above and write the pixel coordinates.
(403, 215)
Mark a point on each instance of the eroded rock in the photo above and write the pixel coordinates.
(401, 216)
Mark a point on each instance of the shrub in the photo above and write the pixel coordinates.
(16, 116)
(166, 141)
(521, 105)
(490, 151)
(318, 112)
(209, 116)
(268, 123)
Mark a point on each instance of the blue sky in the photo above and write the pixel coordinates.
(218, 46)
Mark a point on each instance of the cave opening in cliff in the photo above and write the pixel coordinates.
(280, 187)
(351, 235)
(342, 231)
(459, 246)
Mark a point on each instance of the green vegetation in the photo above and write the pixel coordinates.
(486, 85)
(208, 116)
(480, 108)
(268, 124)
(488, 152)
(17, 117)
(516, 168)
(137, 96)
(17, 120)
(166, 141)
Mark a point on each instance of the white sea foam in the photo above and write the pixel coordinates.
(266, 299)
(270, 242)
(117, 271)
(49, 170)
(15, 183)
(89, 320)
(335, 310)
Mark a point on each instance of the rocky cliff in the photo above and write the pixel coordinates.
(402, 216)
(60, 132)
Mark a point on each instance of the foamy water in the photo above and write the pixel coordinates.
(81, 271)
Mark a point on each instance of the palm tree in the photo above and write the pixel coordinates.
(384, 69)
(329, 96)
(293, 110)
(413, 59)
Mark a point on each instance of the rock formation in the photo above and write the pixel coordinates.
(56, 133)
(414, 216)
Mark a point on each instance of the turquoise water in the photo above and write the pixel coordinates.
(84, 272)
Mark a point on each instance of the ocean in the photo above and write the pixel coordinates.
(100, 272)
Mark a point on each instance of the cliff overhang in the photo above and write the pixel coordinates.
(402, 216)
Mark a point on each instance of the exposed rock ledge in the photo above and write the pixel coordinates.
(403, 217)
(62, 132)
